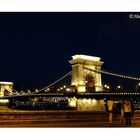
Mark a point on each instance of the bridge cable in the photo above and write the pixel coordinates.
(53, 82)
(46, 86)
(113, 74)
(10, 91)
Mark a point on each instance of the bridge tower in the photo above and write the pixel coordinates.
(5, 86)
(82, 79)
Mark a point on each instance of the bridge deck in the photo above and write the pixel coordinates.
(84, 95)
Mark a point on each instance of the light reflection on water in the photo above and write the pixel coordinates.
(90, 105)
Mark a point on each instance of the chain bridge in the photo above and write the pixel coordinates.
(85, 82)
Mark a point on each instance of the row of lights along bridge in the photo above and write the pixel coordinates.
(68, 89)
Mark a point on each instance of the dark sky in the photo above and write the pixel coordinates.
(35, 47)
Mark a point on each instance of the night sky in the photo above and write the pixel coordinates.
(35, 47)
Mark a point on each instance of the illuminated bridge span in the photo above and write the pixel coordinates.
(85, 78)
(85, 95)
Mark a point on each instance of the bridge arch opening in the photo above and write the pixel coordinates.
(90, 83)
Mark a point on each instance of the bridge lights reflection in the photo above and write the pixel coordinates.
(94, 101)
(4, 101)
(72, 102)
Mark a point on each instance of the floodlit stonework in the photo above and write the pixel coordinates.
(5, 86)
(83, 79)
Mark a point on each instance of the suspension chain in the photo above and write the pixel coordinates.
(113, 74)
(69, 73)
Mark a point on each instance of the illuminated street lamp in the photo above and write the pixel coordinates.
(68, 89)
(138, 87)
(107, 87)
(47, 90)
(119, 88)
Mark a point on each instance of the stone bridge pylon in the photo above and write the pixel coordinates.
(82, 79)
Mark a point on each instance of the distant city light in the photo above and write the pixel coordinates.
(68, 89)
(107, 86)
(119, 87)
